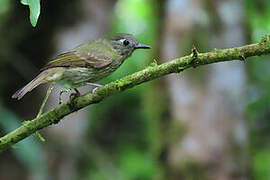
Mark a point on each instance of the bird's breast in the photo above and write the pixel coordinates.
(78, 76)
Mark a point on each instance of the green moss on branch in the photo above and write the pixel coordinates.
(152, 72)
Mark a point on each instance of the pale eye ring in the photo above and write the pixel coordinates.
(125, 42)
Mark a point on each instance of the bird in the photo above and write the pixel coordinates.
(85, 64)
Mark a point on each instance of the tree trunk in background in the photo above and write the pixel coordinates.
(155, 98)
(207, 102)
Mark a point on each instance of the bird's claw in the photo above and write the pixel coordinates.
(72, 95)
(94, 90)
(96, 86)
(75, 95)
(60, 95)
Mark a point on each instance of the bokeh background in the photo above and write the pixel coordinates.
(210, 122)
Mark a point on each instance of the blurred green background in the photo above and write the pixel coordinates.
(210, 122)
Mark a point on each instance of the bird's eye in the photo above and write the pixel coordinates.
(126, 42)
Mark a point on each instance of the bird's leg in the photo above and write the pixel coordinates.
(60, 95)
(96, 86)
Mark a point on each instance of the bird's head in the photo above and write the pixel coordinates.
(125, 44)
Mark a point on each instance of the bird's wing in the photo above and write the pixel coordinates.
(79, 59)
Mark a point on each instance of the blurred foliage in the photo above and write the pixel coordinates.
(258, 110)
(28, 151)
(261, 164)
(22, 50)
(125, 135)
(4, 6)
(258, 18)
(119, 125)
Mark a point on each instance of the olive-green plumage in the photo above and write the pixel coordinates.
(89, 62)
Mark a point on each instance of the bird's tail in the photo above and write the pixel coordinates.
(43, 77)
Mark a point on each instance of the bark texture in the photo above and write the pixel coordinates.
(152, 72)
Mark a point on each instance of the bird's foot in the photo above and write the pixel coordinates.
(60, 95)
(76, 94)
(96, 86)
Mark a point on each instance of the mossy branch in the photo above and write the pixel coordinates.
(152, 72)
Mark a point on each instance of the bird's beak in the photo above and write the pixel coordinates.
(142, 46)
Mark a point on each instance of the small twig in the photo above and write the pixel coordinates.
(42, 108)
(45, 100)
(194, 54)
(151, 72)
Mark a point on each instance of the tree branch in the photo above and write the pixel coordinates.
(152, 72)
